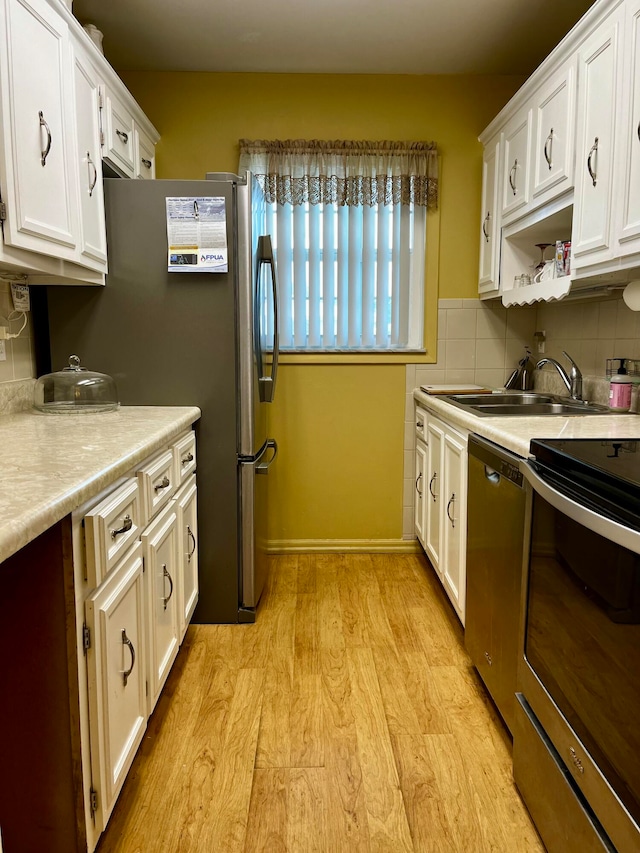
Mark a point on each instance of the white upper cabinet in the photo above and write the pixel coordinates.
(628, 183)
(488, 281)
(37, 171)
(93, 238)
(56, 129)
(554, 135)
(515, 164)
(598, 76)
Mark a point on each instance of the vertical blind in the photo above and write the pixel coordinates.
(348, 226)
(350, 278)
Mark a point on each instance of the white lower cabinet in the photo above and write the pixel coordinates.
(136, 590)
(186, 503)
(160, 549)
(441, 505)
(116, 667)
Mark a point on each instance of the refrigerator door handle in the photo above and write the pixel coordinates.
(266, 384)
(263, 468)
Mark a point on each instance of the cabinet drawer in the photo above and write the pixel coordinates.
(118, 135)
(157, 483)
(110, 528)
(421, 424)
(184, 456)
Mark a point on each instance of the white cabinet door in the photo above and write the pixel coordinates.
(37, 166)
(515, 164)
(488, 280)
(116, 667)
(454, 521)
(629, 138)
(433, 495)
(420, 499)
(554, 135)
(93, 235)
(597, 85)
(160, 550)
(117, 125)
(144, 154)
(187, 509)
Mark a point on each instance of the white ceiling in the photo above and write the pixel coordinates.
(331, 36)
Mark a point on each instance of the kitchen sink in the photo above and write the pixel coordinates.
(523, 404)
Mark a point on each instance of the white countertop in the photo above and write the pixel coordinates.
(51, 464)
(515, 432)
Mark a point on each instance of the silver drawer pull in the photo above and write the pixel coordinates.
(576, 761)
(418, 489)
(146, 162)
(127, 524)
(123, 136)
(163, 484)
(127, 642)
(193, 541)
(188, 458)
(165, 574)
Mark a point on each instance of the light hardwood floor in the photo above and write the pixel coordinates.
(348, 718)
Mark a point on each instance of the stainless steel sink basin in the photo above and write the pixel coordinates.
(523, 404)
(522, 398)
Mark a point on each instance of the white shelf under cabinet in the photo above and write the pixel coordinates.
(555, 288)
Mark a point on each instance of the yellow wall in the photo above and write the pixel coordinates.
(339, 475)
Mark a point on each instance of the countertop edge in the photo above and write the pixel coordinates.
(20, 529)
(515, 433)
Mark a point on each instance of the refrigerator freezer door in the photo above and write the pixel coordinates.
(254, 487)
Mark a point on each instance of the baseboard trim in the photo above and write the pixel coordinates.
(349, 546)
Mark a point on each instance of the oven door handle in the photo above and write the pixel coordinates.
(606, 527)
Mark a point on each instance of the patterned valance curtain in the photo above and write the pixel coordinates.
(343, 172)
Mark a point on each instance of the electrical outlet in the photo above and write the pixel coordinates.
(3, 357)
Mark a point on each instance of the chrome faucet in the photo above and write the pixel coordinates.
(573, 380)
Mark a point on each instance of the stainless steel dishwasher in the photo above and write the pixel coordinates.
(495, 540)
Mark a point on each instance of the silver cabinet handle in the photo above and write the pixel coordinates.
(146, 162)
(127, 524)
(419, 477)
(122, 136)
(594, 150)
(165, 574)
(452, 499)
(484, 226)
(431, 482)
(512, 175)
(547, 150)
(127, 642)
(188, 458)
(488, 658)
(193, 540)
(44, 153)
(163, 484)
(94, 181)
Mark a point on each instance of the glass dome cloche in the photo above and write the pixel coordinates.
(75, 390)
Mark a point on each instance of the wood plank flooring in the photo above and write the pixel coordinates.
(348, 718)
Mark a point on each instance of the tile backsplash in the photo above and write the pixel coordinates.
(481, 343)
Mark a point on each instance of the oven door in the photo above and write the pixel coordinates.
(580, 671)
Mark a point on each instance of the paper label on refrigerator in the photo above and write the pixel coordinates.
(197, 235)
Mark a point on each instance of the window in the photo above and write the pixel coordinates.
(349, 242)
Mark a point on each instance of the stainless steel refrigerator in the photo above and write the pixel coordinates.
(192, 338)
